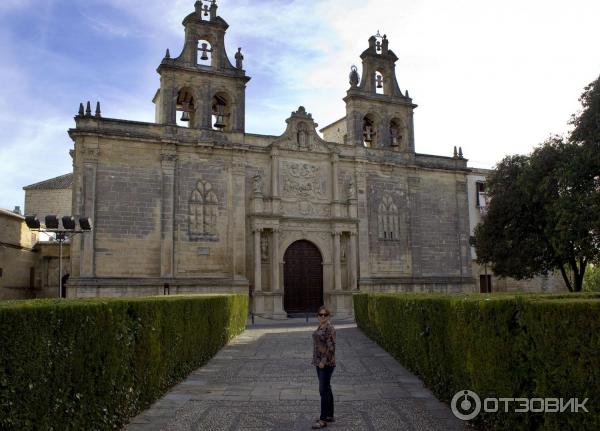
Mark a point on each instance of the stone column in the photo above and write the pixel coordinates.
(363, 224)
(352, 262)
(206, 108)
(275, 287)
(415, 235)
(275, 179)
(275, 282)
(257, 261)
(168, 102)
(337, 266)
(168, 162)
(258, 299)
(334, 177)
(238, 217)
(336, 210)
(90, 166)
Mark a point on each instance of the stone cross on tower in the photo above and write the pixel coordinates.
(378, 43)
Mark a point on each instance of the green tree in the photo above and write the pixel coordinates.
(544, 213)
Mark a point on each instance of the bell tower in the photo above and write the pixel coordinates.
(201, 88)
(378, 115)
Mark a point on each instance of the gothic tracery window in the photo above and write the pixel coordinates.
(204, 206)
(388, 220)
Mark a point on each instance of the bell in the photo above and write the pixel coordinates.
(204, 52)
(220, 123)
(379, 85)
(185, 116)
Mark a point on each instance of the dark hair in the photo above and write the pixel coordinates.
(324, 308)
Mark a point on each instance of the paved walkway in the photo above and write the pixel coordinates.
(263, 381)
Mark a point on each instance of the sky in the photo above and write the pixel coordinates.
(494, 77)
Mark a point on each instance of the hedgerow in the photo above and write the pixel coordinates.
(91, 364)
(510, 346)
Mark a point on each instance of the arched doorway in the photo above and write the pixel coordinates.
(302, 278)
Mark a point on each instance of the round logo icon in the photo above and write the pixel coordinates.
(465, 405)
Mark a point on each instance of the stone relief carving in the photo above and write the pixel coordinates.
(302, 180)
(91, 154)
(388, 220)
(351, 188)
(325, 236)
(203, 207)
(264, 248)
(257, 184)
(306, 209)
(301, 134)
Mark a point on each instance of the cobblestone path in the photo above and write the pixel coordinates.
(263, 381)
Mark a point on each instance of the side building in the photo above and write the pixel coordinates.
(17, 257)
(484, 277)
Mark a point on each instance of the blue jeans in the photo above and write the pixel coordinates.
(324, 375)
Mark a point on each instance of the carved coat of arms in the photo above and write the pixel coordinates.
(302, 179)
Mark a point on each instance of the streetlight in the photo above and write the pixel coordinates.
(62, 234)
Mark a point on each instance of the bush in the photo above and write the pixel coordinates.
(497, 346)
(591, 279)
(91, 364)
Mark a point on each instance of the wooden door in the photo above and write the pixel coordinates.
(303, 278)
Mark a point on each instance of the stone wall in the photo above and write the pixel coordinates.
(48, 202)
(127, 213)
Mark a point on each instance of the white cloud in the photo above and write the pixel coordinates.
(494, 78)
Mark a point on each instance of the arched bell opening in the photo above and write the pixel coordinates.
(204, 54)
(379, 83)
(369, 129)
(221, 112)
(186, 108)
(303, 278)
(397, 133)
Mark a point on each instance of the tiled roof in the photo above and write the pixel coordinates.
(62, 182)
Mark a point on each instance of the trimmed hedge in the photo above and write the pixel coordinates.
(92, 364)
(532, 346)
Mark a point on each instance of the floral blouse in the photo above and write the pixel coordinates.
(324, 345)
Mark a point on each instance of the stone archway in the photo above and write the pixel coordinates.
(302, 278)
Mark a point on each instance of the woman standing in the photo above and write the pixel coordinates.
(324, 360)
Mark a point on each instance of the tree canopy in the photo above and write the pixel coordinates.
(544, 213)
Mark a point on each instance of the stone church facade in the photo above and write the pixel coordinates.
(297, 220)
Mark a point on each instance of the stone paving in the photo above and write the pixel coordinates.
(263, 381)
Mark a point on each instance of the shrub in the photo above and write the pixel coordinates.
(497, 346)
(591, 279)
(91, 364)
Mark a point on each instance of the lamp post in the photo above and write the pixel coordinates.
(67, 231)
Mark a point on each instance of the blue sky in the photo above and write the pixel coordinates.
(496, 78)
